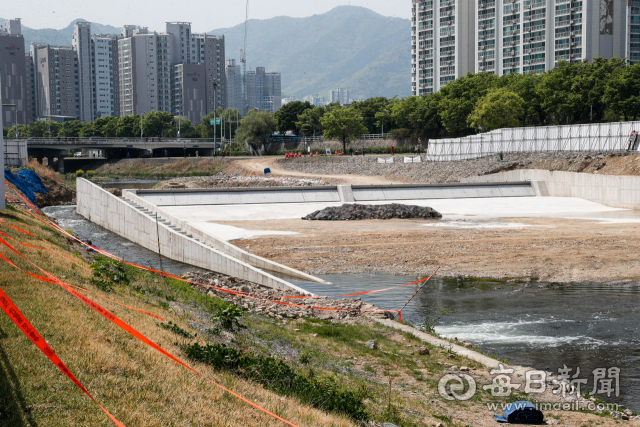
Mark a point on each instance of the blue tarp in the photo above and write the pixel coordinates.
(26, 181)
(522, 412)
(31, 176)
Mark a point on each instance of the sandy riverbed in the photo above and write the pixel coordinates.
(551, 249)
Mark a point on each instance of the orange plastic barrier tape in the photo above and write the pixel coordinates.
(169, 275)
(126, 327)
(23, 324)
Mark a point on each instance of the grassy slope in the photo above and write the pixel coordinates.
(135, 383)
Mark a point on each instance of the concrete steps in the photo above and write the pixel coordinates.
(163, 221)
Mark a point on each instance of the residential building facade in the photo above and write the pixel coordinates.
(106, 75)
(85, 56)
(56, 81)
(340, 96)
(453, 37)
(189, 90)
(13, 75)
(233, 77)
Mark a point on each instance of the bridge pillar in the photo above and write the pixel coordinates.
(61, 163)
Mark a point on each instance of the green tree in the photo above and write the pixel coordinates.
(622, 93)
(71, 129)
(368, 109)
(310, 121)
(105, 127)
(39, 129)
(526, 86)
(5, 131)
(459, 98)
(228, 126)
(157, 123)
(287, 117)
(256, 127)
(500, 108)
(128, 127)
(23, 131)
(186, 128)
(344, 124)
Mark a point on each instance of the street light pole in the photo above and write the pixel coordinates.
(215, 111)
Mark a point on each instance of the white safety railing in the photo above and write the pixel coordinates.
(601, 137)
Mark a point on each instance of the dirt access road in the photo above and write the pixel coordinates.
(257, 166)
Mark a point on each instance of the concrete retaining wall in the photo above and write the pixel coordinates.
(114, 214)
(219, 244)
(240, 196)
(441, 191)
(614, 191)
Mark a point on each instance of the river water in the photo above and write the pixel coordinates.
(579, 325)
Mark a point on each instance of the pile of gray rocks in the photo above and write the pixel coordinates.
(354, 212)
(262, 297)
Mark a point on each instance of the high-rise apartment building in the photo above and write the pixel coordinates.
(189, 90)
(86, 88)
(56, 81)
(233, 77)
(534, 35)
(147, 60)
(264, 91)
(13, 75)
(138, 72)
(453, 37)
(272, 92)
(106, 75)
(340, 96)
(442, 42)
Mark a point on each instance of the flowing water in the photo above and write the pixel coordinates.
(578, 325)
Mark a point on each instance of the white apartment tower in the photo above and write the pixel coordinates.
(442, 42)
(340, 96)
(527, 36)
(453, 37)
(86, 89)
(105, 68)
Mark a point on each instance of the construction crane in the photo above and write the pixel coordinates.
(243, 60)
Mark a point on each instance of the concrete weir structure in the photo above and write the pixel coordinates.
(144, 215)
(139, 226)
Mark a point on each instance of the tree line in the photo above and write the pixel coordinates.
(155, 124)
(603, 90)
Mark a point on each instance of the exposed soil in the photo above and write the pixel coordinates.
(556, 250)
(57, 194)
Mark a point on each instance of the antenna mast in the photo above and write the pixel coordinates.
(243, 60)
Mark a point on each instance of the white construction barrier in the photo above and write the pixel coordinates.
(416, 159)
(15, 152)
(385, 159)
(586, 137)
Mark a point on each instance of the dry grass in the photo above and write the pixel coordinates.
(150, 168)
(135, 383)
(44, 171)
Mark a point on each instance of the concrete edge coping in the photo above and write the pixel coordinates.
(486, 361)
(132, 197)
(234, 190)
(453, 184)
(173, 232)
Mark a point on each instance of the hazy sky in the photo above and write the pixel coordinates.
(205, 15)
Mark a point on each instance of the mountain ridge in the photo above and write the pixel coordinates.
(349, 46)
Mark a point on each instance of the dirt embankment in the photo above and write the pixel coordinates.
(440, 172)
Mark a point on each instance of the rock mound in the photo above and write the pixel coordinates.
(354, 212)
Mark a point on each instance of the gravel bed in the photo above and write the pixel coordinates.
(441, 172)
